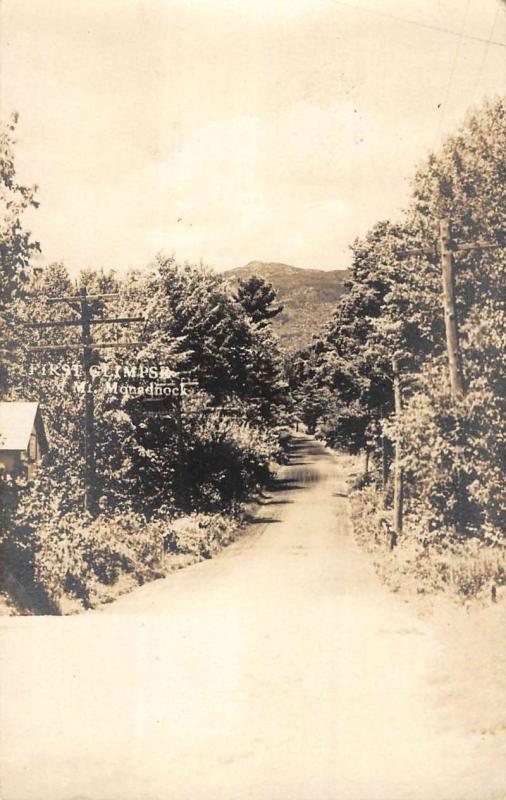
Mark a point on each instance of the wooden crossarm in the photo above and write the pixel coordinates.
(89, 346)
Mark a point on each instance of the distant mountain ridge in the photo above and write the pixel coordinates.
(309, 297)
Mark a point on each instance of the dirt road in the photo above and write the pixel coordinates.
(281, 670)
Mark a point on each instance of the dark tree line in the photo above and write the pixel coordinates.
(453, 452)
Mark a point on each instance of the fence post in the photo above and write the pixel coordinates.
(366, 462)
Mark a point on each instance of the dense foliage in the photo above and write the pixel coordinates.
(453, 452)
(168, 466)
(258, 298)
(199, 446)
(16, 244)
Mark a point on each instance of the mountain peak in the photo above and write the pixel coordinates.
(269, 265)
(309, 297)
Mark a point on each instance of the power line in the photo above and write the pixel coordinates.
(82, 303)
(452, 73)
(485, 52)
(447, 92)
(421, 24)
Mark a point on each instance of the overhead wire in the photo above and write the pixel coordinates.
(419, 24)
(456, 54)
(462, 36)
(485, 53)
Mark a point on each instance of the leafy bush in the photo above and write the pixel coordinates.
(71, 554)
(201, 535)
(452, 456)
(226, 459)
(52, 554)
(465, 570)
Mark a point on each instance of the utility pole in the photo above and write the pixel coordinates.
(181, 460)
(81, 304)
(175, 410)
(384, 454)
(89, 409)
(445, 248)
(450, 311)
(398, 476)
(164, 409)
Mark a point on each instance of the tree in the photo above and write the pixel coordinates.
(353, 360)
(452, 451)
(460, 485)
(257, 296)
(16, 245)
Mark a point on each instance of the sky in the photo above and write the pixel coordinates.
(234, 130)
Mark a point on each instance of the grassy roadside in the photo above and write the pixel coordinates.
(113, 556)
(465, 571)
(116, 556)
(71, 563)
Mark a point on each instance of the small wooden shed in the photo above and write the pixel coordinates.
(23, 439)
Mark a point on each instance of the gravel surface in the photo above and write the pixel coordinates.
(280, 670)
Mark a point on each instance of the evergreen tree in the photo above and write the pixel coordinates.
(257, 296)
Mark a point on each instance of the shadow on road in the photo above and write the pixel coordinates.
(252, 520)
(285, 486)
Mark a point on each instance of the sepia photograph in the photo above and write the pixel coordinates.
(252, 399)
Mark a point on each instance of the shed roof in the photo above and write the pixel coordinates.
(16, 424)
